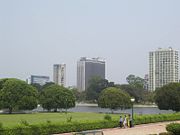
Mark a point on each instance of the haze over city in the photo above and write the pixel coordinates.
(34, 35)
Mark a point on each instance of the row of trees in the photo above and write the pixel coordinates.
(166, 97)
(18, 95)
(135, 88)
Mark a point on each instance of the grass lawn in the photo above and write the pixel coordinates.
(10, 120)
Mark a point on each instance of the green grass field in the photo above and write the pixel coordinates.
(11, 120)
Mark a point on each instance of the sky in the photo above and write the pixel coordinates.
(35, 34)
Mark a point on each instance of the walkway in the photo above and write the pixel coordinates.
(145, 129)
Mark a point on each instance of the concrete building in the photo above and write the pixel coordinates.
(88, 68)
(146, 82)
(163, 67)
(36, 79)
(59, 74)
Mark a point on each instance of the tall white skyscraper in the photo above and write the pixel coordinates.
(59, 74)
(163, 67)
(88, 68)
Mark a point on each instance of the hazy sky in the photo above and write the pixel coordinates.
(35, 34)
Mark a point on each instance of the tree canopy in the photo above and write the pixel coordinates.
(133, 91)
(168, 97)
(80, 96)
(96, 85)
(135, 81)
(56, 97)
(17, 94)
(41, 87)
(114, 98)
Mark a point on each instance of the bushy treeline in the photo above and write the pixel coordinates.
(17, 95)
(76, 126)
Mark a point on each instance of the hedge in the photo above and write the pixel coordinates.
(75, 126)
(173, 128)
(46, 129)
(144, 119)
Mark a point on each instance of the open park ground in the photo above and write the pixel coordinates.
(10, 120)
(13, 120)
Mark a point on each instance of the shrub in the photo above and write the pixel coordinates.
(1, 125)
(174, 128)
(69, 119)
(143, 119)
(166, 133)
(1, 129)
(24, 122)
(49, 128)
(48, 121)
(107, 117)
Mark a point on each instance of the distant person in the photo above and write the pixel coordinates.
(125, 122)
(130, 121)
(121, 122)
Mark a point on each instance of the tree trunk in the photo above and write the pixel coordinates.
(112, 111)
(10, 110)
(55, 110)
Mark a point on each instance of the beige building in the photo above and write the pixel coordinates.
(59, 74)
(163, 68)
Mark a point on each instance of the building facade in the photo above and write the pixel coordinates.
(163, 68)
(88, 68)
(36, 79)
(59, 74)
(146, 82)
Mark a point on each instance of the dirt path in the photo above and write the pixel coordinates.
(144, 129)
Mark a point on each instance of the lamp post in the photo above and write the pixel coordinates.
(66, 104)
(132, 122)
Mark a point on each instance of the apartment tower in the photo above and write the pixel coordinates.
(59, 74)
(163, 68)
(88, 68)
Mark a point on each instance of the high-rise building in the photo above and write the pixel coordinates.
(88, 68)
(163, 68)
(59, 74)
(146, 82)
(36, 79)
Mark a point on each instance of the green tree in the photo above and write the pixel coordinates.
(47, 84)
(2, 81)
(168, 97)
(148, 97)
(17, 94)
(133, 91)
(135, 81)
(37, 86)
(57, 97)
(96, 85)
(41, 87)
(114, 98)
(80, 96)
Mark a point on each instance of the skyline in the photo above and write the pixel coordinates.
(34, 35)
